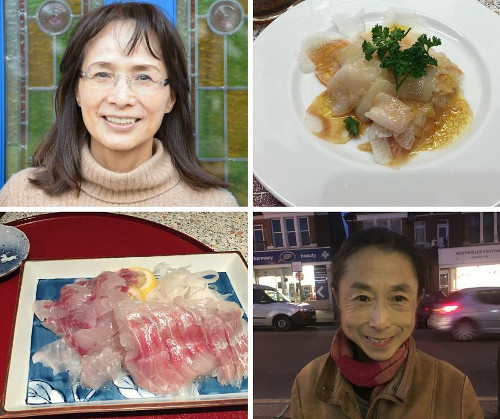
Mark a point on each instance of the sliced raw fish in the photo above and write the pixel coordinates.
(60, 356)
(100, 367)
(367, 100)
(82, 303)
(169, 345)
(389, 112)
(346, 87)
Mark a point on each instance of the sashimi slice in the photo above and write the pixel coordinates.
(169, 345)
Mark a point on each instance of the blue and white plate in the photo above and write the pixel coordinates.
(14, 248)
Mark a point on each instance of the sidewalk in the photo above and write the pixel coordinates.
(280, 408)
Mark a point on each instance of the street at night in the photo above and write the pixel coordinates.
(279, 356)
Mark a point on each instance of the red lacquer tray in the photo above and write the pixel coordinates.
(98, 235)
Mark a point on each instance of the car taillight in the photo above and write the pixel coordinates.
(449, 308)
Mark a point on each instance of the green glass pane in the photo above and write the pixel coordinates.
(237, 123)
(40, 118)
(62, 43)
(33, 6)
(238, 178)
(40, 57)
(211, 123)
(237, 57)
(203, 6)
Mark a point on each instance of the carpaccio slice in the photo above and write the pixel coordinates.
(169, 345)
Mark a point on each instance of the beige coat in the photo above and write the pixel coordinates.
(424, 388)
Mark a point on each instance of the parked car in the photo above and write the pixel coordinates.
(429, 300)
(271, 308)
(468, 313)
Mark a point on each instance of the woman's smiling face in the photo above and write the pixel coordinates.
(378, 298)
(121, 122)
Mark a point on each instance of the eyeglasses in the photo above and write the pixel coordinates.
(142, 83)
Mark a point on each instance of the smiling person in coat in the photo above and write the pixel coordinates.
(374, 369)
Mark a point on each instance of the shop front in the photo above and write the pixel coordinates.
(299, 274)
(470, 266)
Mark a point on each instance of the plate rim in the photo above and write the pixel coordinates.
(291, 197)
(103, 406)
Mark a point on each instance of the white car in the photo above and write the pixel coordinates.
(271, 308)
(468, 313)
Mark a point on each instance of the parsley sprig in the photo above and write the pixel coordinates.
(404, 63)
(351, 125)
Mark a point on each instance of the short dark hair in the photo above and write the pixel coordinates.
(382, 239)
(58, 155)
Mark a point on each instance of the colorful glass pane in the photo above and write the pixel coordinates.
(210, 56)
(237, 53)
(13, 160)
(40, 117)
(76, 6)
(203, 6)
(237, 120)
(33, 6)
(61, 43)
(211, 123)
(244, 4)
(40, 64)
(238, 178)
(216, 168)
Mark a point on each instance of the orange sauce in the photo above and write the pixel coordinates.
(441, 130)
(325, 59)
(333, 126)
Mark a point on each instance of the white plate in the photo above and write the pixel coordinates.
(14, 248)
(18, 374)
(300, 169)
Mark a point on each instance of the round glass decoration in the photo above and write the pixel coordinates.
(54, 17)
(225, 17)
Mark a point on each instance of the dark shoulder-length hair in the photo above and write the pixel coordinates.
(58, 156)
(382, 239)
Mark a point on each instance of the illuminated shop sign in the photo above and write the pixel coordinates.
(460, 256)
(273, 257)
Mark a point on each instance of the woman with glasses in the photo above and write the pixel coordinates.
(123, 132)
(374, 369)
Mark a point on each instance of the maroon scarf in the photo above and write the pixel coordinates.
(365, 374)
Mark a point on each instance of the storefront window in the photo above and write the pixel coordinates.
(419, 232)
(477, 276)
(488, 219)
(304, 231)
(290, 232)
(277, 234)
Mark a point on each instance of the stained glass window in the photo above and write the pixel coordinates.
(215, 36)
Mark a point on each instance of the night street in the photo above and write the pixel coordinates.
(278, 357)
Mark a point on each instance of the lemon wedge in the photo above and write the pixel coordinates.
(147, 282)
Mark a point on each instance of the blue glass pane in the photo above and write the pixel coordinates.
(169, 7)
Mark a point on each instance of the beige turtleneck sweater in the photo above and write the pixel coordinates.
(155, 183)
